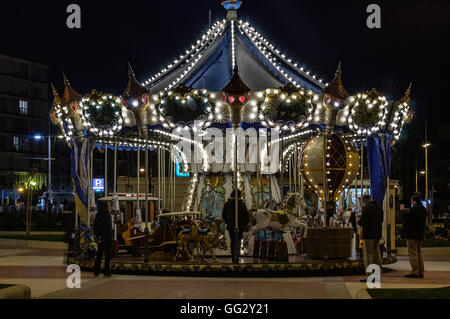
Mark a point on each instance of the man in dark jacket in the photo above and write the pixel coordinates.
(414, 223)
(229, 216)
(371, 222)
(104, 233)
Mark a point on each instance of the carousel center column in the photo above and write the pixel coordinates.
(236, 95)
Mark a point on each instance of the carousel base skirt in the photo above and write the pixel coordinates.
(298, 266)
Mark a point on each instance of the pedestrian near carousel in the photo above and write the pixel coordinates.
(104, 233)
(353, 223)
(371, 222)
(228, 215)
(414, 223)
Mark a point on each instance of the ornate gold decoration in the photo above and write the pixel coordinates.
(70, 95)
(336, 87)
(134, 89)
(341, 169)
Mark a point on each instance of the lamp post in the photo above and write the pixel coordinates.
(417, 179)
(49, 158)
(426, 146)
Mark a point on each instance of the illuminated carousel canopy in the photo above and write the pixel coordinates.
(282, 94)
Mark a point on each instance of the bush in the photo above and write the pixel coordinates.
(435, 233)
(40, 221)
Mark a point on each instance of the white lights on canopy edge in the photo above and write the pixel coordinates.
(193, 53)
(191, 192)
(263, 45)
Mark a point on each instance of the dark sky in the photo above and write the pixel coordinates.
(413, 44)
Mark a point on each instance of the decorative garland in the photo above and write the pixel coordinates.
(368, 112)
(294, 108)
(101, 113)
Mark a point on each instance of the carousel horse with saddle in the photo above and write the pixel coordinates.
(199, 236)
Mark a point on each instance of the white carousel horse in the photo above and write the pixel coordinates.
(280, 220)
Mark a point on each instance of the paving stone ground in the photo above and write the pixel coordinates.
(44, 271)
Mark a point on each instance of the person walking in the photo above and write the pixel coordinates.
(104, 233)
(228, 215)
(371, 222)
(414, 223)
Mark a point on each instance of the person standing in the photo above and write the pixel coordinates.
(104, 233)
(371, 222)
(229, 216)
(353, 223)
(414, 223)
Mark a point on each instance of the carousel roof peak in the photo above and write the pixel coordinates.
(236, 86)
(134, 89)
(336, 87)
(69, 93)
(208, 63)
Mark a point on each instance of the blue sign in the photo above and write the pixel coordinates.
(178, 171)
(98, 184)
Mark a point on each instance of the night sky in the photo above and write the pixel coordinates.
(411, 46)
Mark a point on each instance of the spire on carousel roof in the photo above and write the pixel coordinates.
(236, 86)
(336, 87)
(134, 89)
(69, 93)
(407, 96)
(56, 98)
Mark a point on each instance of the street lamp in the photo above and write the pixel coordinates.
(39, 137)
(427, 145)
(417, 179)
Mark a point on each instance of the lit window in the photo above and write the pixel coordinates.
(16, 145)
(23, 107)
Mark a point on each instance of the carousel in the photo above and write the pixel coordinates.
(232, 113)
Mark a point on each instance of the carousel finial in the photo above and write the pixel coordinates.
(56, 98)
(131, 74)
(134, 89)
(336, 87)
(231, 4)
(236, 86)
(407, 96)
(69, 93)
(339, 70)
(66, 80)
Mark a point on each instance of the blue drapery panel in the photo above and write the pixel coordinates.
(379, 157)
(80, 175)
(217, 71)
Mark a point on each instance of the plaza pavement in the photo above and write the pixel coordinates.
(44, 272)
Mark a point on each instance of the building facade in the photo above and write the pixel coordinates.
(24, 105)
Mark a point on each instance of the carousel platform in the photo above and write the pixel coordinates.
(297, 266)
